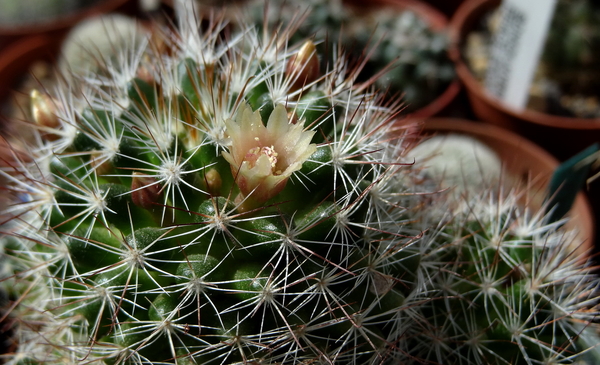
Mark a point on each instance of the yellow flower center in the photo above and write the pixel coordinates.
(256, 152)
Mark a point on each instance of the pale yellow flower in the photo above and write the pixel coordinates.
(263, 158)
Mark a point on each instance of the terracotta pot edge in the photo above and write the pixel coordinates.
(437, 105)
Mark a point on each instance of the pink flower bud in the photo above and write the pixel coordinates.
(145, 191)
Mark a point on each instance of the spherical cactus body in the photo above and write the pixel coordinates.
(210, 197)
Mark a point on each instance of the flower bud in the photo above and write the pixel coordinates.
(303, 67)
(145, 71)
(213, 182)
(43, 110)
(101, 165)
(145, 191)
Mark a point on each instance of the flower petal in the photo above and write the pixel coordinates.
(263, 158)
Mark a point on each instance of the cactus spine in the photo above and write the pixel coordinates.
(193, 203)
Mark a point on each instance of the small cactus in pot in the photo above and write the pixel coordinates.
(193, 203)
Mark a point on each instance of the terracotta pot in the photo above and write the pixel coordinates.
(525, 161)
(18, 57)
(60, 26)
(562, 136)
(16, 60)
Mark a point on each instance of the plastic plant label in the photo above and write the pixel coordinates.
(516, 49)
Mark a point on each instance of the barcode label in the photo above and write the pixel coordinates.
(516, 49)
(504, 49)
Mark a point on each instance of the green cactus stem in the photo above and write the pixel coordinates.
(220, 212)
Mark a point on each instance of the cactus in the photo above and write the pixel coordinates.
(405, 55)
(506, 280)
(572, 42)
(217, 198)
(570, 58)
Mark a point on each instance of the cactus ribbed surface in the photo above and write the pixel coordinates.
(217, 198)
(407, 54)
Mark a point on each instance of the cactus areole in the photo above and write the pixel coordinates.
(216, 211)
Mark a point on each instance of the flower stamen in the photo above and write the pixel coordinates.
(255, 153)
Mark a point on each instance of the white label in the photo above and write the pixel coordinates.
(516, 49)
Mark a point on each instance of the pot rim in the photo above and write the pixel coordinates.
(18, 56)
